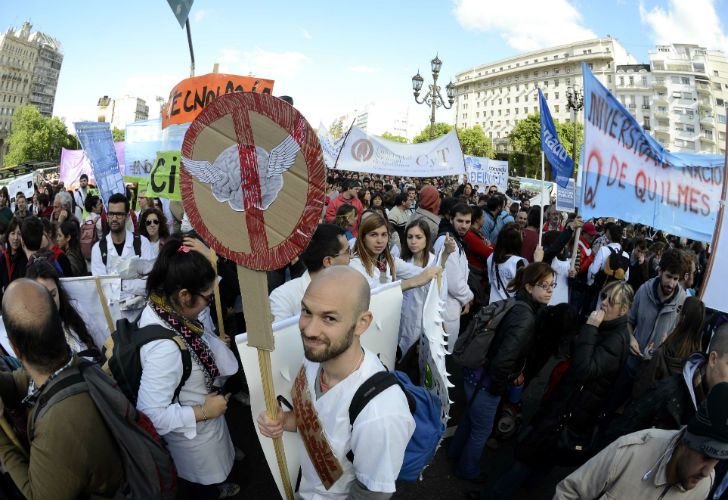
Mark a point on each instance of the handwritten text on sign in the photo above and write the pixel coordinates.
(164, 177)
(631, 176)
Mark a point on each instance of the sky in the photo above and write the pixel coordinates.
(334, 56)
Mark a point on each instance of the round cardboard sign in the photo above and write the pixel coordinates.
(252, 179)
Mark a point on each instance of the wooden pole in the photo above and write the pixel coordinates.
(258, 320)
(543, 185)
(104, 305)
(575, 251)
(218, 300)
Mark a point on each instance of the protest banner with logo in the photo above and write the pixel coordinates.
(362, 152)
(163, 180)
(485, 172)
(190, 96)
(98, 144)
(630, 176)
(562, 165)
(380, 338)
(566, 197)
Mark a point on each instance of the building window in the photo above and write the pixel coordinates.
(556, 95)
(685, 80)
(715, 72)
(525, 110)
(621, 81)
(556, 107)
(631, 81)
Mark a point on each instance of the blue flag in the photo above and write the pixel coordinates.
(562, 165)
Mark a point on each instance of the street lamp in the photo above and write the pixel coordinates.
(433, 98)
(575, 102)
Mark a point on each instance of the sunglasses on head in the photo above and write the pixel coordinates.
(149, 222)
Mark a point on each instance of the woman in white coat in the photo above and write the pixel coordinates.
(180, 287)
(417, 250)
(373, 259)
(505, 261)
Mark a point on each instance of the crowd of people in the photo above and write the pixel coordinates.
(605, 313)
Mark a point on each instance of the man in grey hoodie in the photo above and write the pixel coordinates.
(656, 307)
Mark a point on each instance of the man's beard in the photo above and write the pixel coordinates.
(330, 351)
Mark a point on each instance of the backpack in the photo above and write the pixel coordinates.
(104, 248)
(123, 361)
(471, 347)
(615, 269)
(148, 467)
(426, 410)
(88, 238)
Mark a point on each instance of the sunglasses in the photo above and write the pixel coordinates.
(149, 222)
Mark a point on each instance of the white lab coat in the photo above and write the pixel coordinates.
(458, 291)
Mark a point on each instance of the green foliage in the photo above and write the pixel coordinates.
(118, 134)
(475, 142)
(394, 138)
(525, 142)
(35, 137)
(438, 130)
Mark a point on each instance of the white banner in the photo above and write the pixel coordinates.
(23, 183)
(714, 282)
(363, 152)
(485, 172)
(286, 360)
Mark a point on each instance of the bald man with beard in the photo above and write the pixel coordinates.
(334, 315)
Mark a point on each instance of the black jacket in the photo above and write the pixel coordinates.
(666, 404)
(511, 344)
(598, 356)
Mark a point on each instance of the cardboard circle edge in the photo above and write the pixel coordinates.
(292, 246)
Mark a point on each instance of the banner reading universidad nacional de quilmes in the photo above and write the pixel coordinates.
(629, 175)
(362, 152)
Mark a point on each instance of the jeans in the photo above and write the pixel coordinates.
(473, 430)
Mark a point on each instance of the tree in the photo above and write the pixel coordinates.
(475, 143)
(525, 141)
(118, 134)
(394, 138)
(438, 130)
(336, 129)
(35, 137)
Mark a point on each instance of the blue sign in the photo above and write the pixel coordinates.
(566, 197)
(562, 165)
(142, 141)
(98, 144)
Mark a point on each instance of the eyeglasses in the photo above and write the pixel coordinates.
(546, 286)
(149, 222)
(348, 252)
(207, 298)
(117, 215)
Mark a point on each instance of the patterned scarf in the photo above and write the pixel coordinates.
(191, 332)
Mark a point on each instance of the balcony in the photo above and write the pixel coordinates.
(661, 98)
(659, 84)
(662, 114)
(707, 139)
(702, 88)
(707, 120)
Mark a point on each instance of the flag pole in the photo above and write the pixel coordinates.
(543, 185)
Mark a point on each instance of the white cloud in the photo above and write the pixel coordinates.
(525, 24)
(364, 69)
(686, 21)
(263, 63)
(199, 15)
(305, 34)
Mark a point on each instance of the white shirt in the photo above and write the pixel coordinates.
(285, 301)
(458, 291)
(413, 301)
(402, 271)
(600, 259)
(506, 272)
(561, 292)
(378, 438)
(129, 287)
(202, 451)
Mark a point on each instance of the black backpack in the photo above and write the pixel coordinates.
(123, 362)
(471, 347)
(104, 247)
(148, 467)
(615, 269)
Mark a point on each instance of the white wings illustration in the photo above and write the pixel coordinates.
(224, 176)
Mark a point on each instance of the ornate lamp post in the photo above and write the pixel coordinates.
(433, 98)
(575, 102)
